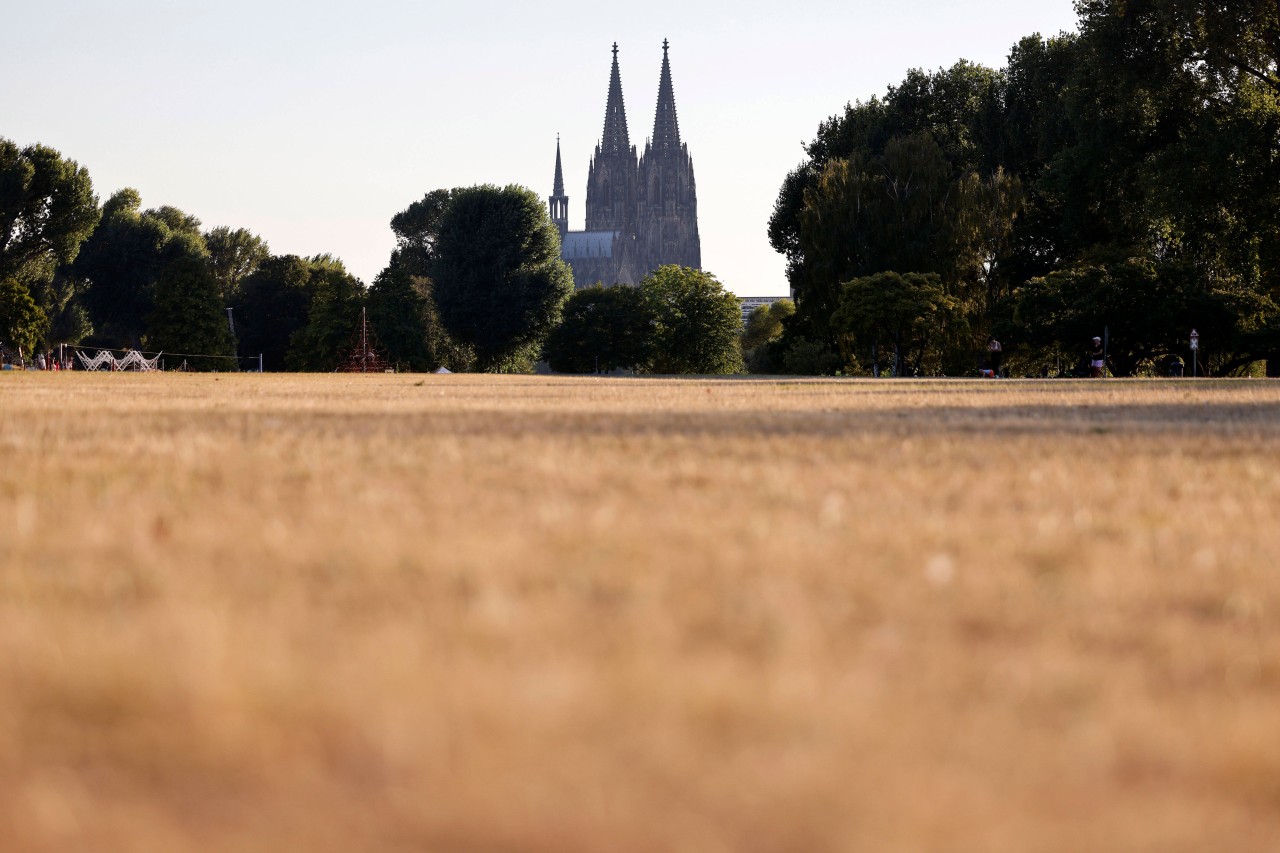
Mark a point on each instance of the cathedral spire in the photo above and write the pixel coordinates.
(615, 139)
(558, 187)
(666, 129)
(558, 203)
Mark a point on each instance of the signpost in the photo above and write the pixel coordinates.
(1195, 351)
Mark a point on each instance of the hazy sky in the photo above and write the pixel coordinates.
(313, 123)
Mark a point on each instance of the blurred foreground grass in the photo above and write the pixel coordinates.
(460, 613)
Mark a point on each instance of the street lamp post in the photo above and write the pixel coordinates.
(1195, 351)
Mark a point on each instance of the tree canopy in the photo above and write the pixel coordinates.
(188, 315)
(603, 329)
(1146, 142)
(233, 255)
(695, 322)
(496, 275)
(22, 324)
(47, 209)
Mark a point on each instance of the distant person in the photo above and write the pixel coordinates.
(995, 355)
(1097, 358)
(40, 363)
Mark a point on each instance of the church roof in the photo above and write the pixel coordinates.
(576, 245)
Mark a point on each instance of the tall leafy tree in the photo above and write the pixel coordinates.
(47, 210)
(61, 301)
(121, 262)
(603, 329)
(906, 210)
(233, 255)
(271, 306)
(905, 315)
(496, 273)
(763, 330)
(695, 322)
(404, 318)
(417, 230)
(1146, 142)
(177, 221)
(332, 317)
(188, 315)
(22, 323)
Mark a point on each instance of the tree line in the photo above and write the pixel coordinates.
(475, 282)
(1125, 177)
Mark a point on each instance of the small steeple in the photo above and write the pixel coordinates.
(615, 139)
(557, 188)
(558, 203)
(666, 128)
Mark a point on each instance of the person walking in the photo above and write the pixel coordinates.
(1097, 359)
(995, 355)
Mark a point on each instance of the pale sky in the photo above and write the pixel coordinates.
(313, 123)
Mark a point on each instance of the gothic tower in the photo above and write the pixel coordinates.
(611, 177)
(667, 199)
(559, 202)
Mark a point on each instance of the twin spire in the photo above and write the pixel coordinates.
(616, 139)
(666, 128)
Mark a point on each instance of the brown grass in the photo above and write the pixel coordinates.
(456, 613)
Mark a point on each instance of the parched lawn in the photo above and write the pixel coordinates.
(461, 613)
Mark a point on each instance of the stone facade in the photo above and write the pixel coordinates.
(642, 212)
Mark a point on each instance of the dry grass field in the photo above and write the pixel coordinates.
(460, 613)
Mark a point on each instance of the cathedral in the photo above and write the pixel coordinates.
(641, 213)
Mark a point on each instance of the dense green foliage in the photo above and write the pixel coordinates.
(188, 315)
(604, 329)
(127, 277)
(47, 209)
(402, 310)
(900, 314)
(233, 255)
(333, 317)
(496, 275)
(22, 324)
(298, 313)
(120, 263)
(696, 322)
(1125, 178)
(764, 329)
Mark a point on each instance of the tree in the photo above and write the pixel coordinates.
(695, 322)
(417, 229)
(1148, 308)
(496, 273)
(177, 221)
(404, 318)
(60, 300)
(900, 154)
(764, 327)
(905, 209)
(121, 262)
(764, 324)
(22, 323)
(272, 305)
(47, 209)
(402, 309)
(902, 313)
(332, 317)
(233, 255)
(189, 317)
(603, 329)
